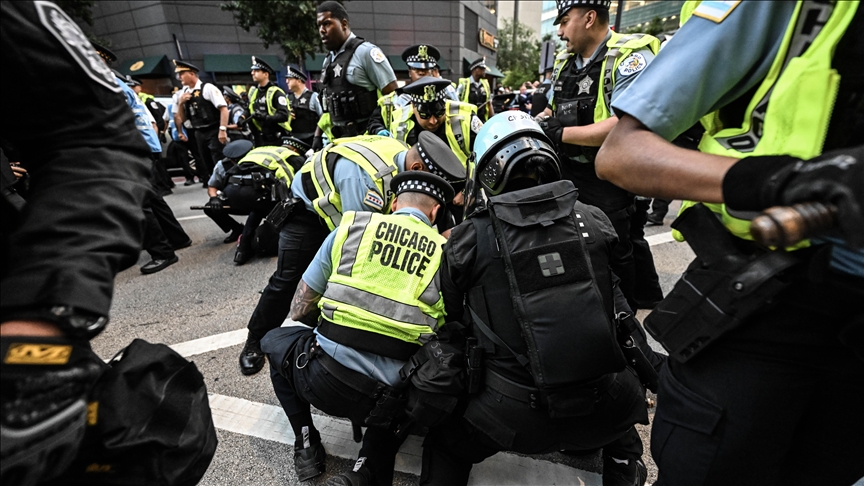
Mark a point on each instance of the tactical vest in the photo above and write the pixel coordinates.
(791, 110)
(384, 280)
(557, 308)
(348, 105)
(305, 119)
(538, 99)
(390, 102)
(200, 112)
(272, 90)
(375, 155)
(577, 97)
(264, 174)
(457, 126)
(476, 95)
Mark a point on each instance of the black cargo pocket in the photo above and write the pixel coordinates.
(684, 437)
(484, 420)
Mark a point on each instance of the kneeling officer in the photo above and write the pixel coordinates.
(374, 281)
(251, 180)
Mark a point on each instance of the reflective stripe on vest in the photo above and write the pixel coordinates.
(790, 111)
(271, 91)
(385, 278)
(273, 158)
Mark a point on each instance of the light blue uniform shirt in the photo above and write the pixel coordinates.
(352, 183)
(315, 104)
(218, 179)
(172, 127)
(622, 80)
(363, 69)
(381, 368)
(708, 74)
(142, 117)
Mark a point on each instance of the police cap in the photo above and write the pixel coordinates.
(421, 56)
(424, 183)
(427, 89)
(180, 66)
(130, 81)
(295, 72)
(565, 5)
(479, 63)
(231, 94)
(439, 158)
(106, 54)
(296, 144)
(237, 149)
(261, 65)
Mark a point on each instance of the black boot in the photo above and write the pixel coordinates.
(251, 357)
(360, 476)
(309, 462)
(624, 472)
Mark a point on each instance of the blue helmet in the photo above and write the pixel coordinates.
(505, 140)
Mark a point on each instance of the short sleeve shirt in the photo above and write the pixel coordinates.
(369, 68)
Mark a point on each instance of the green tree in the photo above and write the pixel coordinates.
(654, 28)
(518, 61)
(78, 9)
(290, 24)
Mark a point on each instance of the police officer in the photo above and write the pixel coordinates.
(796, 355)
(539, 102)
(81, 226)
(354, 74)
(475, 89)
(348, 366)
(203, 105)
(156, 109)
(237, 114)
(164, 183)
(268, 106)
(546, 302)
(596, 67)
(351, 174)
(454, 122)
(422, 61)
(305, 107)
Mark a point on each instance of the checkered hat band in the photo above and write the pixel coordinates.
(565, 4)
(428, 161)
(294, 74)
(421, 186)
(438, 97)
(421, 59)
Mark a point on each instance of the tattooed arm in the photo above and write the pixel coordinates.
(304, 305)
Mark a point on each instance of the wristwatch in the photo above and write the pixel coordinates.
(222, 128)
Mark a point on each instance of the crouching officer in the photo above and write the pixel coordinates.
(268, 106)
(543, 316)
(431, 110)
(351, 174)
(252, 181)
(374, 282)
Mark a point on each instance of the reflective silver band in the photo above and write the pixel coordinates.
(323, 202)
(377, 304)
(382, 169)
(456, 125)
(352, 243)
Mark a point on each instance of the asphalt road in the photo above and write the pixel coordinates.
(206, 295)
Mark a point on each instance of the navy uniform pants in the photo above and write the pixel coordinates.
(255, 213)
(299, 241)
(300, 382)
(494, 422)
(646, 291)
(210, 151)
(776, 401)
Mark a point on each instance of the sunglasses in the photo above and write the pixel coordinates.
(426, 110)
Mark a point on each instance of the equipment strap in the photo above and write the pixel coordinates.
(522, 359)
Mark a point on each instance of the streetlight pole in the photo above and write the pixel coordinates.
(619, 12)
(515, 21)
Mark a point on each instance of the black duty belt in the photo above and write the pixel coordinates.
(358, 381)
(533, 396)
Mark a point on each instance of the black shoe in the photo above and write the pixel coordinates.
(241, 256)
(631, 473)
(655, 219)
(205, 185)
(310, 461)
(251, 357)
(233, 237)
(360, 476)
(185, 244)
(154, 266)
(189, 182)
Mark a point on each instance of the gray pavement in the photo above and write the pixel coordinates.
(204, 295)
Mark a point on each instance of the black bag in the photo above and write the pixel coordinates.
(149, 422)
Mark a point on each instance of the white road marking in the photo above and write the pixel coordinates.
(270, 423)
(187, 218)
(210, 343)
(659, 239)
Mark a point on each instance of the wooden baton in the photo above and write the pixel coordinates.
(783, 226)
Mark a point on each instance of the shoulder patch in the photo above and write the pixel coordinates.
(476, 124)
(73, 39)
(282, 101)
(373, 200)
(715, 11)
(377, 55)
(634, 63)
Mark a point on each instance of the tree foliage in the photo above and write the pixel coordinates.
(290, 24)
(654, 28)
(519, 61)
(78, 9)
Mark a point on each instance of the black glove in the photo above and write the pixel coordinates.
(258, 116)
(215, 203)
(317, 143)
(837, 177)
(553, 129)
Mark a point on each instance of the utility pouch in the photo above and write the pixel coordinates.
(281, 213)
(720, 289)
(473, 366)
(389, 405)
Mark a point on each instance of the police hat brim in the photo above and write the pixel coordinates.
(295, 143)
(104, 52)
(181, 66)
(422, 65)
(422, 180)
(439, 157)
(417, 88)
(237, 149)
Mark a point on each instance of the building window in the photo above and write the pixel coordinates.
(546, 27)
(472, 32)
(549, 5)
